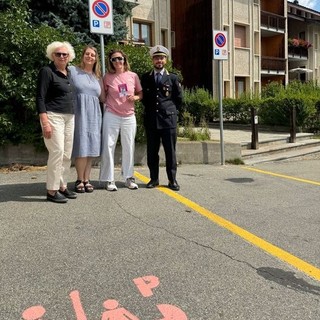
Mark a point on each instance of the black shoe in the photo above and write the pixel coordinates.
(174, 185)
(152, 183)
(68, 194)
(57, 197)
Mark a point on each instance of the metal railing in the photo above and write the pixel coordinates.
(272, 21)
(299, 52)
(273, 63)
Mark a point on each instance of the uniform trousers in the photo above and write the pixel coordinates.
(111, 127)
(168, 137)
(59, 147)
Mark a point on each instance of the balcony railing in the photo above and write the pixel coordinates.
(297, 52)
(273, 64)
(272, 21)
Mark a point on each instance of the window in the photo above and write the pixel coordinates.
(240, 36)
(173, 39)
(302, 35)
(240, 86)
(142, 32)
(164, 37)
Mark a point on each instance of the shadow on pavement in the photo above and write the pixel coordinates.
(27, 192)
(288, 280)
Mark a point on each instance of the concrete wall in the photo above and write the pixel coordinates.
(188, 152)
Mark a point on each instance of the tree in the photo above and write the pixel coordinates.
(25, 35)
(20, 62)
(75, 14)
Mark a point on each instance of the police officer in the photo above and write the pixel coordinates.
(162, 98)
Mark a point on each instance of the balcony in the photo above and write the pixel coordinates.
(273, 65)
(297, 53)
(273, 22)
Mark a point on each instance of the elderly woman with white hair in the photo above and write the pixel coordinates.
(55, 106)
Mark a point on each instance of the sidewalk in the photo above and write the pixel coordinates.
(244, 135)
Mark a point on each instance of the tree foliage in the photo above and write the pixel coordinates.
(20, 62)
(75, 13)
(26, 28)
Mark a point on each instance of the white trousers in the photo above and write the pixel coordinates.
(59, 147)
(111, 127)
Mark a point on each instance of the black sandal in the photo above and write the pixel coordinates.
(79, 187)
(88, 186)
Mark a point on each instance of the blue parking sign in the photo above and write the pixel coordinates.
(95, 23)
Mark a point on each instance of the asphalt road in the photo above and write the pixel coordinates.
(236, 242)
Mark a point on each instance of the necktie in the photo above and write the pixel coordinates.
(158, 77)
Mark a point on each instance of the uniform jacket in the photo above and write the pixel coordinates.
(161, 102)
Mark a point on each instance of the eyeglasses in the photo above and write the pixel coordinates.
(61, 54)
(117, 59)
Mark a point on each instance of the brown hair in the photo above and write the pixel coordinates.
(96, 67)
(110, 66)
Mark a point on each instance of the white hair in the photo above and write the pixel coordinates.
(52, 47)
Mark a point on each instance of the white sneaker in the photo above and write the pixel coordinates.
(111, 186)
(130, 183)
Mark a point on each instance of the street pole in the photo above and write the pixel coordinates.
(221, 111)
(103, 64)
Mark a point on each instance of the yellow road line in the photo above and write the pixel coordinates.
(246, 235)
(282, 176)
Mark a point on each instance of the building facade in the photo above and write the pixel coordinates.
(150, 23)
(303, 40)
(267, 40)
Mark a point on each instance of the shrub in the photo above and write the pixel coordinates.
(19, 64)
(239, 110)
(276, 106)
(199, 103)
(191, 133)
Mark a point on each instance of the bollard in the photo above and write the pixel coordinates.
(254, 129)
(293, 128)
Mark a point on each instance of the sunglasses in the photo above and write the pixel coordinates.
(117, 59)
(61, 54)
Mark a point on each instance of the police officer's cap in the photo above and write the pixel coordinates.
(159, 50)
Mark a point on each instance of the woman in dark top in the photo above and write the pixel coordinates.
(55, 105)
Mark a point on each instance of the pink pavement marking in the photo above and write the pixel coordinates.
(77, 306)
(115, 313)
(146, 284)
(171, 312)
(33, 313)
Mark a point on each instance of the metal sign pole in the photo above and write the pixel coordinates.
(103, 64)
(220, 52)
(221, 111)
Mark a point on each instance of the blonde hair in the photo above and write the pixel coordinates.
(52, 47)
(96, 67)
(110, 66)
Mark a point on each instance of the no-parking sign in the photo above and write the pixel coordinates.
(220, 45)
(101, 17)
